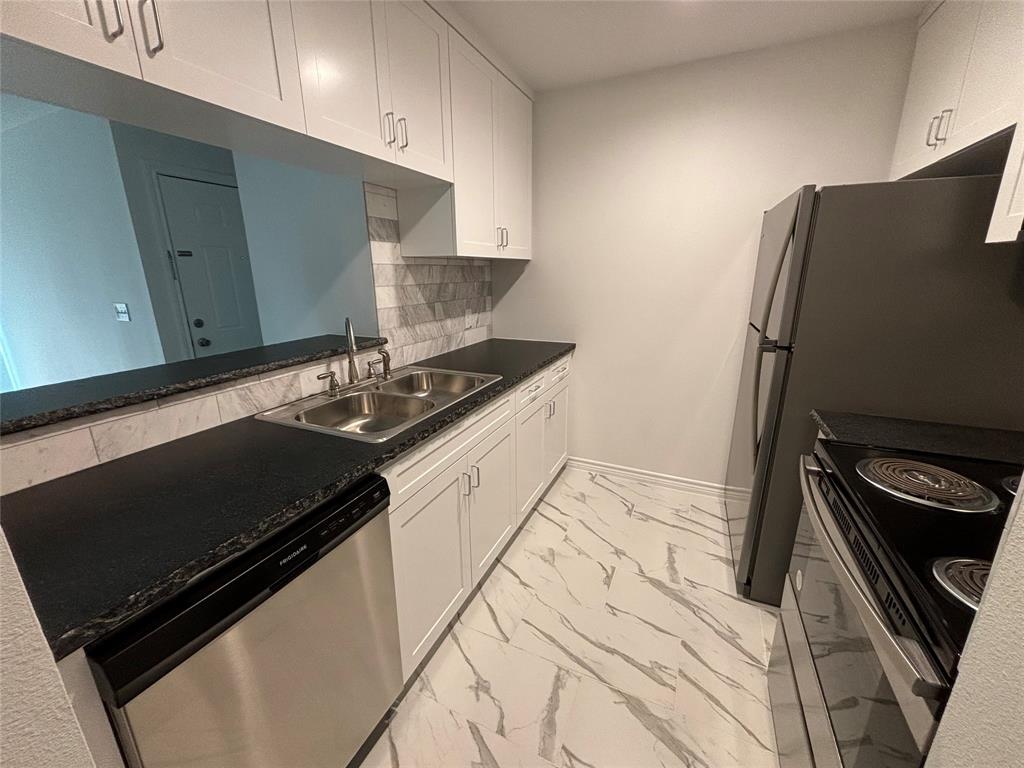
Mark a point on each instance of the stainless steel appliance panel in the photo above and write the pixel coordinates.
(762, 385)
(791, 739)
(300, 681)
(866, 720)
(904, 311)
(784, 233)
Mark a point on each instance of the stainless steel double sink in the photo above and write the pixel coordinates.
(374, 411)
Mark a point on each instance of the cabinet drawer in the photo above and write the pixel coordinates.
(530, 391)
(559, 371)
(412, 471)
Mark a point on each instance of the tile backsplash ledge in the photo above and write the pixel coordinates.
(46, 453)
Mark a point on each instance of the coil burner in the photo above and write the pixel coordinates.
(963, 577)
(926, 484)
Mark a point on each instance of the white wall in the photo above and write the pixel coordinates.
(648, 194)
(982, 722)
(37, 724)
(308, 247)
(68, 250)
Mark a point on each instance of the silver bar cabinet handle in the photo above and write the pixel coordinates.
(469, 484)
(390, 137)
(475, 479)
(156, 27)
(505, 229)
(943, 122)
(931, 126)
(405, 132)
(500, 236)
(120, 21)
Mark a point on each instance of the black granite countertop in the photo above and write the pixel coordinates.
(38, 406)
(98, 547)
(923, 436)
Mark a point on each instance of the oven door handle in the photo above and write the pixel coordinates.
(898, 654)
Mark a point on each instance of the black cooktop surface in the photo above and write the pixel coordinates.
(914, 535)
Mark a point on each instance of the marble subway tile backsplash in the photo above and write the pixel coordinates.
(37, 455)
(424, 306)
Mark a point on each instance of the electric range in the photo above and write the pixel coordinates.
(890, 562)
(934, 523)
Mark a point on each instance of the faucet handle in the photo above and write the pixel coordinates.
(334, 387)
(370, 372)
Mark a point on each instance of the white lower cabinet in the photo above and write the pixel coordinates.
(492, 499)
(556, 433)
(530, 470)
(431, 559)
(459, 498)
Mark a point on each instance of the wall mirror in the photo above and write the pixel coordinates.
(123, 248)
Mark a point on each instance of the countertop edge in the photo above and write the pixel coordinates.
(143, 601)
(102, 405)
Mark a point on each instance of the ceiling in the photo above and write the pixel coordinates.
(558, 43)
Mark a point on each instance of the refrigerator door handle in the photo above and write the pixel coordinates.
(764, 344)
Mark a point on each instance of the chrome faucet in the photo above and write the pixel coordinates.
(385, 362)
(353, 369)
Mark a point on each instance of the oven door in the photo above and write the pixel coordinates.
(842, 654)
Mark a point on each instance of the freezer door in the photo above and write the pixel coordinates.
(762, 384)
(784, 234)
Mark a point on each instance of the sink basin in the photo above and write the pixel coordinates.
(431, 384)
(365, 413)
(374, 411)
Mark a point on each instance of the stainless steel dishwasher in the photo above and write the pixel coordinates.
(287, 656)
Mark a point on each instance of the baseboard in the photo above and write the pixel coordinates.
(701, 487)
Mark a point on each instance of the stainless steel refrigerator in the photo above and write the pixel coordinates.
(871, 298)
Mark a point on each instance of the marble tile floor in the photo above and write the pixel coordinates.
(608, 636)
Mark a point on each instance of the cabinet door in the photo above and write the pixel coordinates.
(474, 124)
(417, 51)
(556, 433)
(240, 55)
(936, 77)
(345, 90)
(492, 500)
(995, 74)
(1008, 215)
(530, 470)
(98, 32)
(430, 550)
(514, 176)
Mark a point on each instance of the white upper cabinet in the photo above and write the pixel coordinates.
(99, 32)
(417, 56)
(996, 65)
(240, 55)
(1008, 216)
(514, 170)
(936, 78)
(492, 126)
(344, 73)
(474, 132)
(965, 81)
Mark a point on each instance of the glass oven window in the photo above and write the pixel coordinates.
(868, 724)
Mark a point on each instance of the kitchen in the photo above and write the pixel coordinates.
(627, 181)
